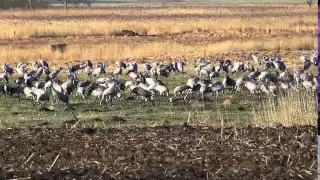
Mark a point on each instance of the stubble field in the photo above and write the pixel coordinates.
(197, 139)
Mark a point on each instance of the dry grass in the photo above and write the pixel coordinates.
(154, 19)
(111, 52)
(190, 30)
(295, 109)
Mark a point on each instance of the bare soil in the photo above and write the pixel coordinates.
(164, 152)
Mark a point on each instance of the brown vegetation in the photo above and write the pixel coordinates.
(112, 51)
(293, 109)
(187, 29)
(150, 20)
(165, 152)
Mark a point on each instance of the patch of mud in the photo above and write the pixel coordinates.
(164, 152)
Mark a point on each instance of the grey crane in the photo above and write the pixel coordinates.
(255, 59)
(43, 64)
(134, 75)
(53, 74)
(143, 94)
(249, 67)
(279, 64)
(147, 66)
(121, 64)
(39, 85)
(4, 78)
(81, 88)
(112, 91)
(35, 65)
(117, 71)
(162, 72)
(181, 90)
(41, 95)
(21, 68)
(60, 96)
(7, 69)
(228, 81)
(238, 66)
(133, 66)
(180, 66)
(217, 88)
(12, 90)
(315, 59)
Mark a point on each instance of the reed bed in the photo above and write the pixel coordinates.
(296, 108)
(110, 52)
(156, 20)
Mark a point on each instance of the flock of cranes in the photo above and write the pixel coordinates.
(265, 76)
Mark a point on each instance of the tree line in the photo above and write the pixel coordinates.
(38, 4)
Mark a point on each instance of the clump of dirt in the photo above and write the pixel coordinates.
(241, 108)
(44, 123)
(244, 102)
(71, 124)
(97, 119)
(49, 108)
(227, 102)
(124, 33)
(164, 152)
(118, 119)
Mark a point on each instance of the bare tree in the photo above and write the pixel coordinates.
(88, 2)
(164, 2)
(66, 3)
(309, 2)
(30, 4)
(10, 4)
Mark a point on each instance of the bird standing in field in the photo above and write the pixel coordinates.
(53, 74)
(7, 69)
